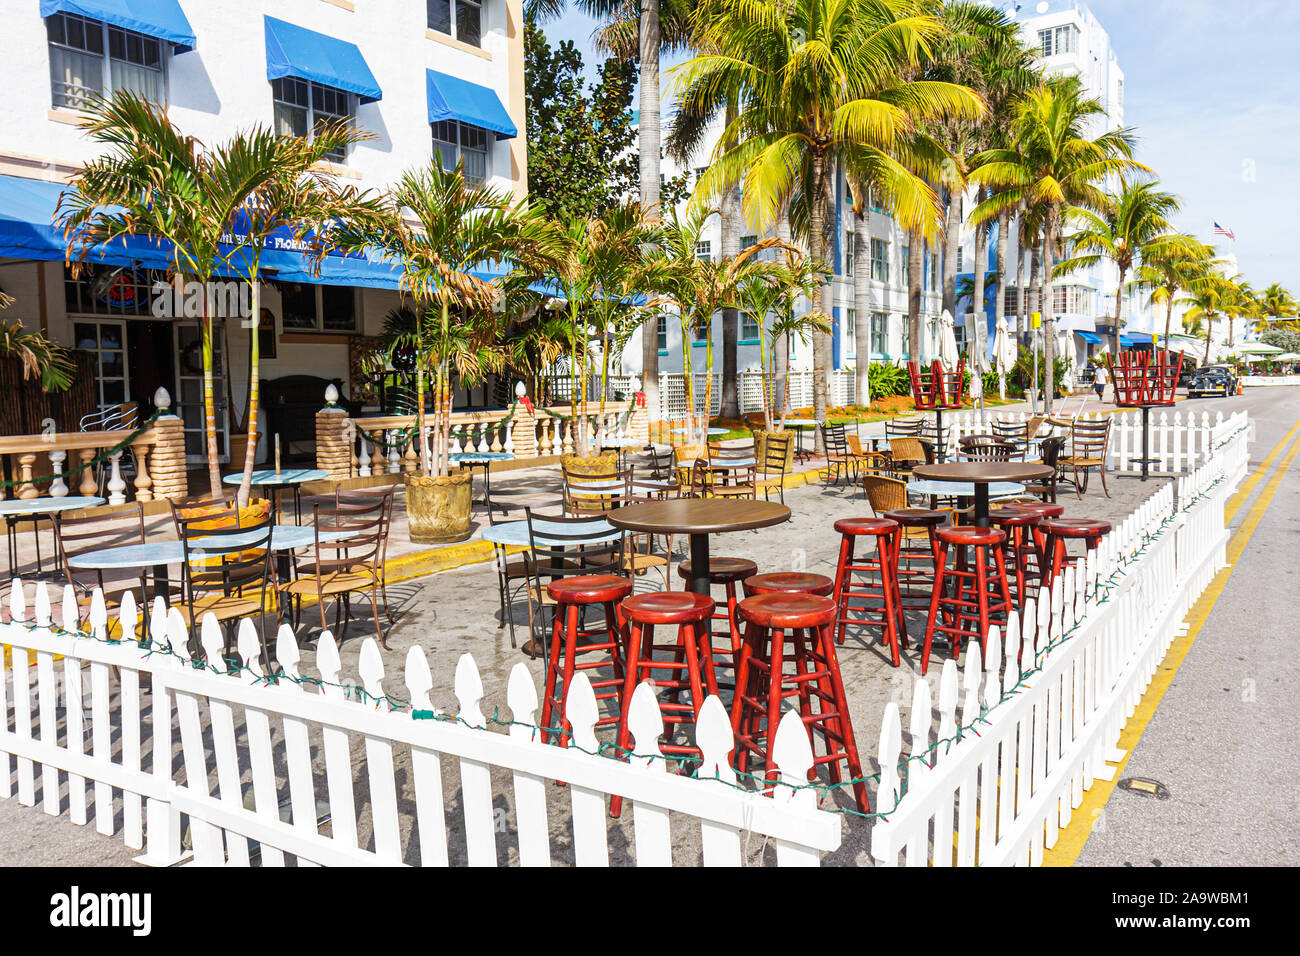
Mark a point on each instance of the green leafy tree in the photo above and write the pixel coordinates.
(39, 358)
(1172, 269)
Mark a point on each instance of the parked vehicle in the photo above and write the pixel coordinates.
(1213, 380)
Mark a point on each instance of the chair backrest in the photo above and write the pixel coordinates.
(989, 451)
(590, 494)
(1089, 436)
(884, 494)
(365, 524)
(121, 416)
(733, 452)
(776, 449)
(107, 528)
(904, 427)
(685, 455)
(906, 449)
(1011, 431)
(564, 545)
(967, 440)
(660, 466)
(1051, 449)
(383, 496)
(699, 485)
(836, 440)
(232, 559)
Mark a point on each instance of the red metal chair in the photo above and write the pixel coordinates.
(795, 629)
(873, 602)
(691, 665)
(970, 609)
(1057, 531)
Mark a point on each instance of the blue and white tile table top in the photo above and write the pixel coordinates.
(284, 537)
(45, 506)
(286, 476)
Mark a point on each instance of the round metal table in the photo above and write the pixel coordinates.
(482, 459)
(699, 518)
(802, 424)
(980, 475)
(18, 509)
(291, 478)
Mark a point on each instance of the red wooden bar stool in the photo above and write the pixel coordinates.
(725, 571)
(788, 582)
(878, 602)
(690, 666)
(1043, 509)
(1057, 531)
(785, 628)
(918, 554)
(1021, 546)
(571, 596)
(971, 607)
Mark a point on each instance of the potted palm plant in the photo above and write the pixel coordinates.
(446, 233)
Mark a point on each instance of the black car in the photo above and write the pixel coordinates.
(1213, 379)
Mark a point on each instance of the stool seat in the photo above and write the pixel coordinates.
(1043, 509)
(918, 517)
(668, 607)
(876, 526)
(788, 610)
(722, 570)
(1014, 518)
(788, 582)
(590, 589)
(1075, 527)
(970, 534)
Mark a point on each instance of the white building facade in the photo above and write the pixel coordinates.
(445, 75)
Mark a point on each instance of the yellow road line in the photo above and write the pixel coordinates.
(1070, 842)
(1234, 503)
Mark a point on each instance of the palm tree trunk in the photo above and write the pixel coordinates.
(1169, 317)
(781, 343)
(209, 401)
(978, 318)
(915, 256)
(1000, 279)
(1049, 323)
(254, 370)
(730, 317)
(1119, 311)
(1022, 300)
(817, 249)
(648, 170)
(1209, 337)
(862, 307)
(951, 240)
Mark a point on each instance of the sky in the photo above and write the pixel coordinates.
(1213, 89)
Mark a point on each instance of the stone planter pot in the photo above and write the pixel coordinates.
(605, 464)
(438, 509)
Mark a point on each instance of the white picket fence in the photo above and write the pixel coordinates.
(249, 773)
(1041, 711)
(1176, 444)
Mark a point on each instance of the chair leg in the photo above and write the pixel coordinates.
(374, 606)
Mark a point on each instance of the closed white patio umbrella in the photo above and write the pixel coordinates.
(1004, 354)
(946, 341)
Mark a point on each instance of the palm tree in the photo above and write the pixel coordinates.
(1131, 228)
(154, 181)
(698, 288)
(1170, 270)
(820, 85)
(1052, 165)
(1207, 299)
(1279, 306)
(594, 262)
(38, 357)
(444, 231)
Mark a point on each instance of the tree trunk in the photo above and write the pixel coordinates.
(1049, 323)
(862, 307)
(729, 209)
(1169, 317)
(1000, 279)
(1209, 337)
(1119, 311)
(1022, 300)
(979, 319)
(254, 392)
(915, 256)
(951, 240)
(817, 250)
(209, 401)
(648, 141)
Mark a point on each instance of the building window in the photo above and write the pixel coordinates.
(880, 333)
(905, 264)
(700, 332)
(108, 290)
(934, 272)
(89, 58)
(661, 333)
(455, 142)
(880, 260)
(301, 107)
(1060, 39)
(461, 19)
(749, 330)
(961, 256)
(850, 333)
(699, 173)
(1072, 299)
(704, 250)
(107, 340)
(317, 308)
(747, 241)
(848, 253)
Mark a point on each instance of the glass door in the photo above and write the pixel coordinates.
(189, 385)
(107, 339)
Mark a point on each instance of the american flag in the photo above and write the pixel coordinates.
(1220, 231)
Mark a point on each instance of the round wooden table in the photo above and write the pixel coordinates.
(699, 518)
(981, 474)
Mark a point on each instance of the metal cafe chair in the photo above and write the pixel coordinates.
(1089, 439)
(595, 494)
(109, 528)
(776, 451)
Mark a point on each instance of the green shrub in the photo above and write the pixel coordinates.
(887, 379)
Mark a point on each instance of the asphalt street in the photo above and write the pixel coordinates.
(1223, 741)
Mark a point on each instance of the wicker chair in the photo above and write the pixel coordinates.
(904, 454)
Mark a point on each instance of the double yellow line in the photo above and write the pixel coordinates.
(1070, 842)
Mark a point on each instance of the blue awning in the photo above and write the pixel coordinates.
(162, 19)
(455, 99)
(1092, 338)
(296, 51)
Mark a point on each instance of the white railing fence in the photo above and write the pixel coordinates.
(266, 764)
(1042, 709)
